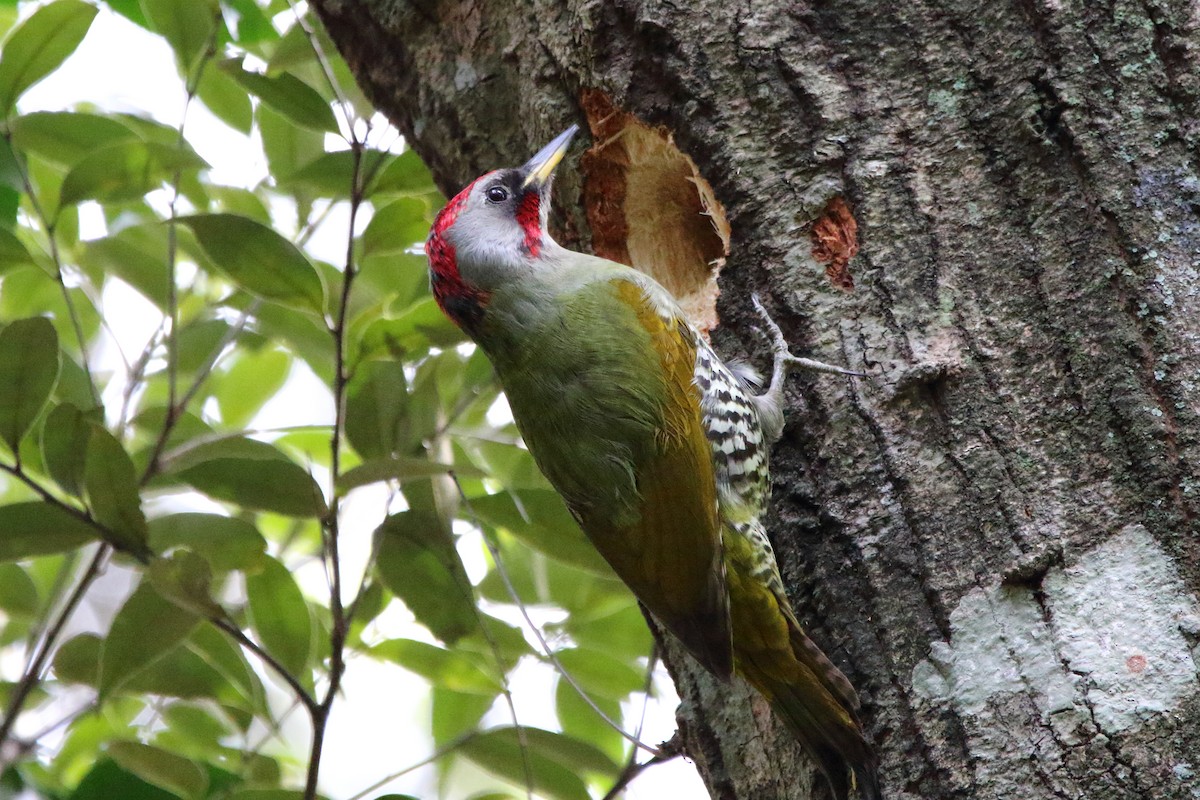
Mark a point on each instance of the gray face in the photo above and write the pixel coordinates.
(499, 232)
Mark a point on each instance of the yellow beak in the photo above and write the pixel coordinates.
(540, 168)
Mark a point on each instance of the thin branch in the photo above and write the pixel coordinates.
(65, 720)
(668, 750)
(547, 651)
(327, 69)
(632, 767)
(62, 576)
(175, 412)
(20, 474)
(175, 408)
(33, 674)
(340, 622)
(245, 641)
(49, 226)
(274, 728)
(441, 752)
(522, 739)
(136, 372)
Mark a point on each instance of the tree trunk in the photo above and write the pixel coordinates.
(994, 534)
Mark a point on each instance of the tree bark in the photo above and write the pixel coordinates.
(994, 534)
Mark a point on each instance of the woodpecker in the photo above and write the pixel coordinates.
(658, 448)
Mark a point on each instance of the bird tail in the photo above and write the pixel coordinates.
(820, 708)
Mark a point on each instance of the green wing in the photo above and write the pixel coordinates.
(605, 400)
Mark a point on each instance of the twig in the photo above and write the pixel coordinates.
(174, 412)
(340, 622)
(522, 739)
(175, 408)
(16, 471)
(49, 227)
(547, 651)
(33, 674)
(245, 641)
(441, 752)
(667, 751)
(347, 109)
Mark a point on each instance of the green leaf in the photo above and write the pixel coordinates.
(176, 673)
(126, 171)
(294, 49)
(12, 252)
(226, 99)
(245, 202)
(137, 255)
(144, 630)
(225, 542)
(331, 174)
(554, 759)
(192, 725)
(253, 474)
(502, 646)
(456, 713)
(200, 342)
(397, 468)
(131, 10)
(10, 177)
(185, 579)
(18, 593)
(187, 25)
(279, 612)
(251, 24)
(167, 770)
(303, 334)
(395, 280)
(215, 648)
(28, 370)
(270, 794)
(377, 409)
(417, 560)
(450, 669)
(580, 720)
(65, 438)
(107, 781)
(288, 95)
(64, 137)
(618, 628)
(248, 383)
(421, 326)
(286, 145)
(36, 528)
(150, 130)
(600, 674)
(259, 259)
(406, 174)
(396, 227)
(112, 493)
(539, 518)
(39, 44)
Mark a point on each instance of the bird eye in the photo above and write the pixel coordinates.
(497, 194)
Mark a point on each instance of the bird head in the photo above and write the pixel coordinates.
(492, 232)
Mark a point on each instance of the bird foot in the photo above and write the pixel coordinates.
(784, 360)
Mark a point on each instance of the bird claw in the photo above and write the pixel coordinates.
(782, 352)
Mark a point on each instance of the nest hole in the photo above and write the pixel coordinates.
(649, 207)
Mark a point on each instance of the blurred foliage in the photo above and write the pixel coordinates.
(165, 474)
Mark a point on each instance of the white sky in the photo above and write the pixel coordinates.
(379, 724)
